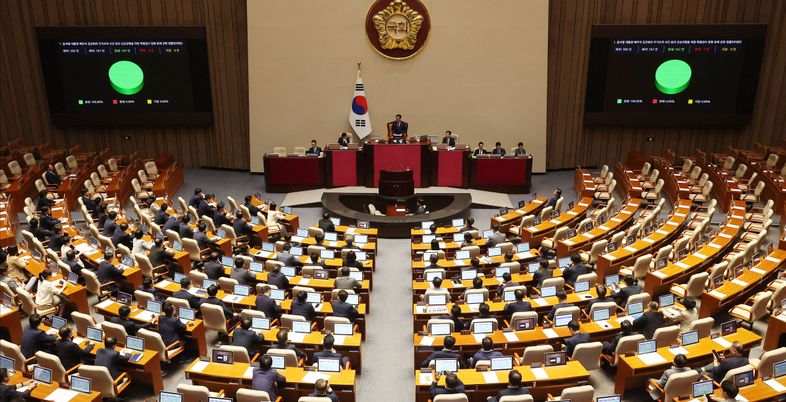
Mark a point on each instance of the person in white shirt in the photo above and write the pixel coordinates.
(139, 245)
(48, 292)
(273, 215)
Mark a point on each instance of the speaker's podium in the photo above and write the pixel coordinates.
(396, 183)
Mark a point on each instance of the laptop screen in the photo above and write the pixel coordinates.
(779, 369)
(277, 294)
(256, 267)
(468, 274)
(185, 313)
(313, 297)
(525, 324)
(426, 225)
(153, 307)
(635, 308)
(336, 221)
(356, 275)
(462, 255)
(42, 374)
(533, 267)
(483, 327)
(326, 254)
(494, 251)
(58, 322)
(135, 343)
(644, 347)
(164, 396)
(509, 295)
(555, 359)
(610, 398)
(457, 223)
(124, 298)
(440, 329)
(278, 362)
(343, 329)
(329, 365)
(728, 328)
(522, 247)
(429, 276)
(288, 271)
(689, 338)
(353, 299)
(227, 261)
(128, 261)
(361, 239)
(331, 236)
(360, 256)
(260, 323)
(501, 271)
(548, 291)
(178, 246)
(8, 364)
(445, 365)
(702, 388)
(241, 290)
(600, 314)
(269, 247)
(582, 286)
(744, 379)
(301, 233)
(437, 300)
(221, 233)
(178, 277)
(428, 238)
(296, 251)
(562, 320)
(222, 356)
(564, 262)
(666, 300)
(487, 234)
(217, 399)
(501, 363)
(80, 384)
(475, 298)
(206, 283)
(611, 280)
(301, 327)
(73, 278)
(94, 334)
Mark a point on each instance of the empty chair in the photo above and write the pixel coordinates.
(588, 354)
(605, 195)
(559, 234)
(753, 309)
(665, 336)
(53, 363)
(694, 288)
(521, 316)
(604, 170)
(584, 393)
(82, 321)
(703, 325)
(13, 351)
(446, 398)
(640, 267)
(764, 363)
(214, 318)
(772, 160)
(300, 151)
(653, 194)
(29, 159)
(751, 198)
(281, 151)
(249, 395)
(239, 353)
(626, 344)
(102, 381)
(286, 319)
(193, 393)
(534, 354)
(598, 248)
(331, 321)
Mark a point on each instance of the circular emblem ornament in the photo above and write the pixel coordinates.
(398, 29)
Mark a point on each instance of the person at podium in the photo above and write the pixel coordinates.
(449, 140)
(520, 151)
(480, 150)
(314, 150)
(498, 150)
(397, 131)
(343, 140)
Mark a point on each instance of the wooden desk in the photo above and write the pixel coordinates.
(584, 241)
(75, 294)
(776, 327)
(610, 263)
(738, 290)
(290, 221)
(535, 234)
(168, 181)
(10, 318)
(372, 233)
(93, 257)
(633, 373)
(217, 376)
(194, 329)
(9, 220)
(628, 181)
(675, 182)
(293, 173)
(485, 174)
(756, 392)
(477, 389)
(419, 287)
(504, 222)
(448, 246)
(42, 391)
(584, 184)
(23, 186)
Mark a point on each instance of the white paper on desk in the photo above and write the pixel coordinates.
(104, 304)
(78, 340)
(620, 320)
(718, 294)
(426, 378)
(739, 282)
(296, 337)
(631, 249)
(199, 366)
(603, 324)
(84, 248)
(249, 373)
(350, 230)
(164, 283)
(713, 245)
(304, 281)
(426, 341)
(22, 389)
(61, 394)
(540, 373)
(723, 342)
(312, 377)
(758, 271)
(700, 255)
(678, 351)
(145, 316)
(661, 231)
(648, 240)
(659, 274)
(682, 265)
(741, 398)
(541, 302)
(4, 310)
(511, 336)
(775, 385)
(232, 298)
(550, 333)
(473, 307)
(339, 339)
(499, 218)
(771, 259)
(651, 358)
(479, 337)
(459, 263)
(490, 377)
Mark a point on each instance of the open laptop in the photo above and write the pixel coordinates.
(562, 320)
(644, 347)
(80, 384)
(165, 396)
(702, 388)
(329, 365)
(502, 363)
(689, 338)
(446, 365)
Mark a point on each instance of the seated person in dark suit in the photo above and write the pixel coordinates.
(267, 305)
(351, 260)
(159, 255)
(455, 316)
(486, 351)
(576, 338)
(314, 149)
(520, 151)
(498, 150)
(729, 360)
(679, 366)
(205, 207)
(544, 272)
(326, 224)
(729, 392)
(37, 231)
(610, 346)
(453, 385)
(220, 217)
(161, 215)
(110, 225)
(469, 225)
(449, 140)
(322, 390)
(631, 288)
(343, 309)
(242, 275)
(248, 202)
(562, 297)
(170, 327)
(266, 378)
(58, 239)
(649, 321)
(420, 207)
(555, 196)
(107, 273)
(51, 176)
(245, 337)
(172, 223)
(185, 230)
(507, 281)
(520, 305)
(122, 237)
(211, 298)
(602, 298)
(196, 198)
(130, 325)
(110, 358)
(447, 352)
(34, 339)
(576, 268)
(314, 261)
(242, 228)
(203, 241)
(301, 307)
(287, 258)
(328, 352)
(514, 387)
(277, 278)
(343, 140)
(70, 353)
(184, 294)
(281, 343)
(213, 267)
(398, 130)
(46, 220)
(480, 150)
(10, 392)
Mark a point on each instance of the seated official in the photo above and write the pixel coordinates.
(266, 378)
(282, 338)
(398, 130)
(577, 337)
(107, 273)
(315, 262)
(455, 316)
(679, 366)
(518, 306)
(70, 353)
(729, 392)
(110, 358)
(326, 224)
(562, 298)
(507, 281)
(343, 309)
(74, 263)
(138, 244)
(728, 361)
(555, 196)
(10, 392)
(420, 207)
(288, 259)
(267, 305)
(213, 267)
(514, 387)
(322, 390)
(110, 225)
(688, 315)
(343, 140)
(453, 385)
(206, 207)
(302, 307)
(576, 268)
(328, 352)
(480, 150)
(10, 282)
(520, 151)
(221, 217)
(496, 237)
(241, 227)
(277, 278)
(498, 150)
(344, 281)
(602, 298)
(203, 241)
(469, 225)
(161, 215)
(38, 232)
(211, 298)
(486, 351)
(544, 272)
(626, 329)
(242, 275)
(45, 200)
(351, 260)
(90, 204)
(447, 352)
(649, 321)
(130, 325)
(49, 293)
(195, 199)
(243, 336)
(58, 239)
(631, 288)
(170, 327)
(314, 149)
(51, 176)
(468, 240)
(159, 255)
(185, 230)
(184, 294)
(172, 223)
(449, 140)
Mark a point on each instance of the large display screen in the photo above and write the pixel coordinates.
(673, 74)
(126, 75)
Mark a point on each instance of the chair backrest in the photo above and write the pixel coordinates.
(558, 281)
(626, 344)
(703, 325)
(13, 351)
(645, 169)
(250, 395)
(451, 398)
(82, 321)
(523, 315)
(767, 359)
(192, 247)
(290, 358)
(193, 393)
(143, 297)
(588, 354)
(214, 318)
(545, 213)
(14, 168)
(575, 311)
(101, 380)
(728, 163)
(286, 319)
(731, 373)
(759, 307)
(281, 151)
(665, 336)
(516, 398)
(227, 284)
(116, 331)
(611, 306)
(584, 393)
(741, 169)
(535, 354)
(239, 353)
(696, 284)
(331, 321)
(172, 235)
(178, 302)
(29, 159)
(300, 151)
(483, 291)
(643, 297)
(232, 203)
(153, 341)
(560, 234)
(679, 385)
(230, 233)
(28, 304)
(197, 277)
(151, 168)
(60, 169)
(598, 248)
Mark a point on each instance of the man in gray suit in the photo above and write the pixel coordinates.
(347, 282)
(496, 237)
(680, 366)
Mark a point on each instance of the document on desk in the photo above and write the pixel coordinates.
(758, 271)
(425, 378)
(312, 376)
(717, 294)
(479, 337)
(426, 341)
(739, 282)
(550, 333)
(723, 342)
(296, 337)
(540, 373)
(511, 336)
(4, 310)
(145, 316)
(678, 351)
(199, 366)
(541, 302)
(164, 283)
(339, 339)
(249, 373)
(491, 377)
(105, 304)
(775, 385)
(651, 358)
(61, 394)
(304, 281)
(459, 263)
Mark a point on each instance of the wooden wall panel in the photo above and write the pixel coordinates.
(570, 24)
(23, 107)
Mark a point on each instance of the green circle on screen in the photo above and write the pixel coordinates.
(672, 76)
(126, 77)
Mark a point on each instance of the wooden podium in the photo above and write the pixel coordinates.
(396, 183)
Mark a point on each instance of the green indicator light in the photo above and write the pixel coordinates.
(619, 100)
(672, 76)
(126, 77)
(81, 102)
